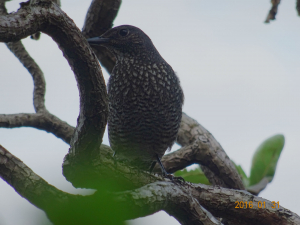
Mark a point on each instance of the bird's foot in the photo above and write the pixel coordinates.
(176, 180)
(169, 176)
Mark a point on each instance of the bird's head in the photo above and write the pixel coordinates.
(124, 40)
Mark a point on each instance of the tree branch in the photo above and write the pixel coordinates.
(201, 147)
(60, 207)
(105, 169)
(167, 196)
(28, 184)
(100, 17)
(9, 30)
(20, 52)
(3, 10)
(178, 199)
(93, 97)
(46, 197)
(273, 11)
(222, 202)
(42, 121)
(98, 20)
(298, 7)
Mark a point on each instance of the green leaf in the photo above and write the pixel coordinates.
(193, 176)
(242, 173)
(265, 159)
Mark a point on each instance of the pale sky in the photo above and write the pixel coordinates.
(240, 78)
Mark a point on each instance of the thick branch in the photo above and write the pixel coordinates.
(42, 121)
(43, 195)
(50, 19)
(222, 202)
(61, 208)
(201, 147)
(84, 64)
(104, 168)
(3, 10)
(273, 11)
(99, 19)
(166, 195)
(28, 184)
(212, 177)
(169, 197)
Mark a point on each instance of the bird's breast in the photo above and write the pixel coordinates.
(142, 80)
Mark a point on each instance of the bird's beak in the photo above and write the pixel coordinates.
(97, 40)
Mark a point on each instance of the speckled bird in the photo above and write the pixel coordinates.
(145, 98)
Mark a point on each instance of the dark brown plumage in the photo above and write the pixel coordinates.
(145, 97)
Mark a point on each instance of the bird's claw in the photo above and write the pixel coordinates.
(177, 180)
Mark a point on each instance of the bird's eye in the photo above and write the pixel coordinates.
(123, 32)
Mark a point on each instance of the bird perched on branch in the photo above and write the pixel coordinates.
(145, 98)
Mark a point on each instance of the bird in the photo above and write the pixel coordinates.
(145, 98)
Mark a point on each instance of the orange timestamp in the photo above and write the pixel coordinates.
(260, 205)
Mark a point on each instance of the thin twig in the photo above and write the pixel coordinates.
(28, 62)
(273, 11)
(42, 121)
